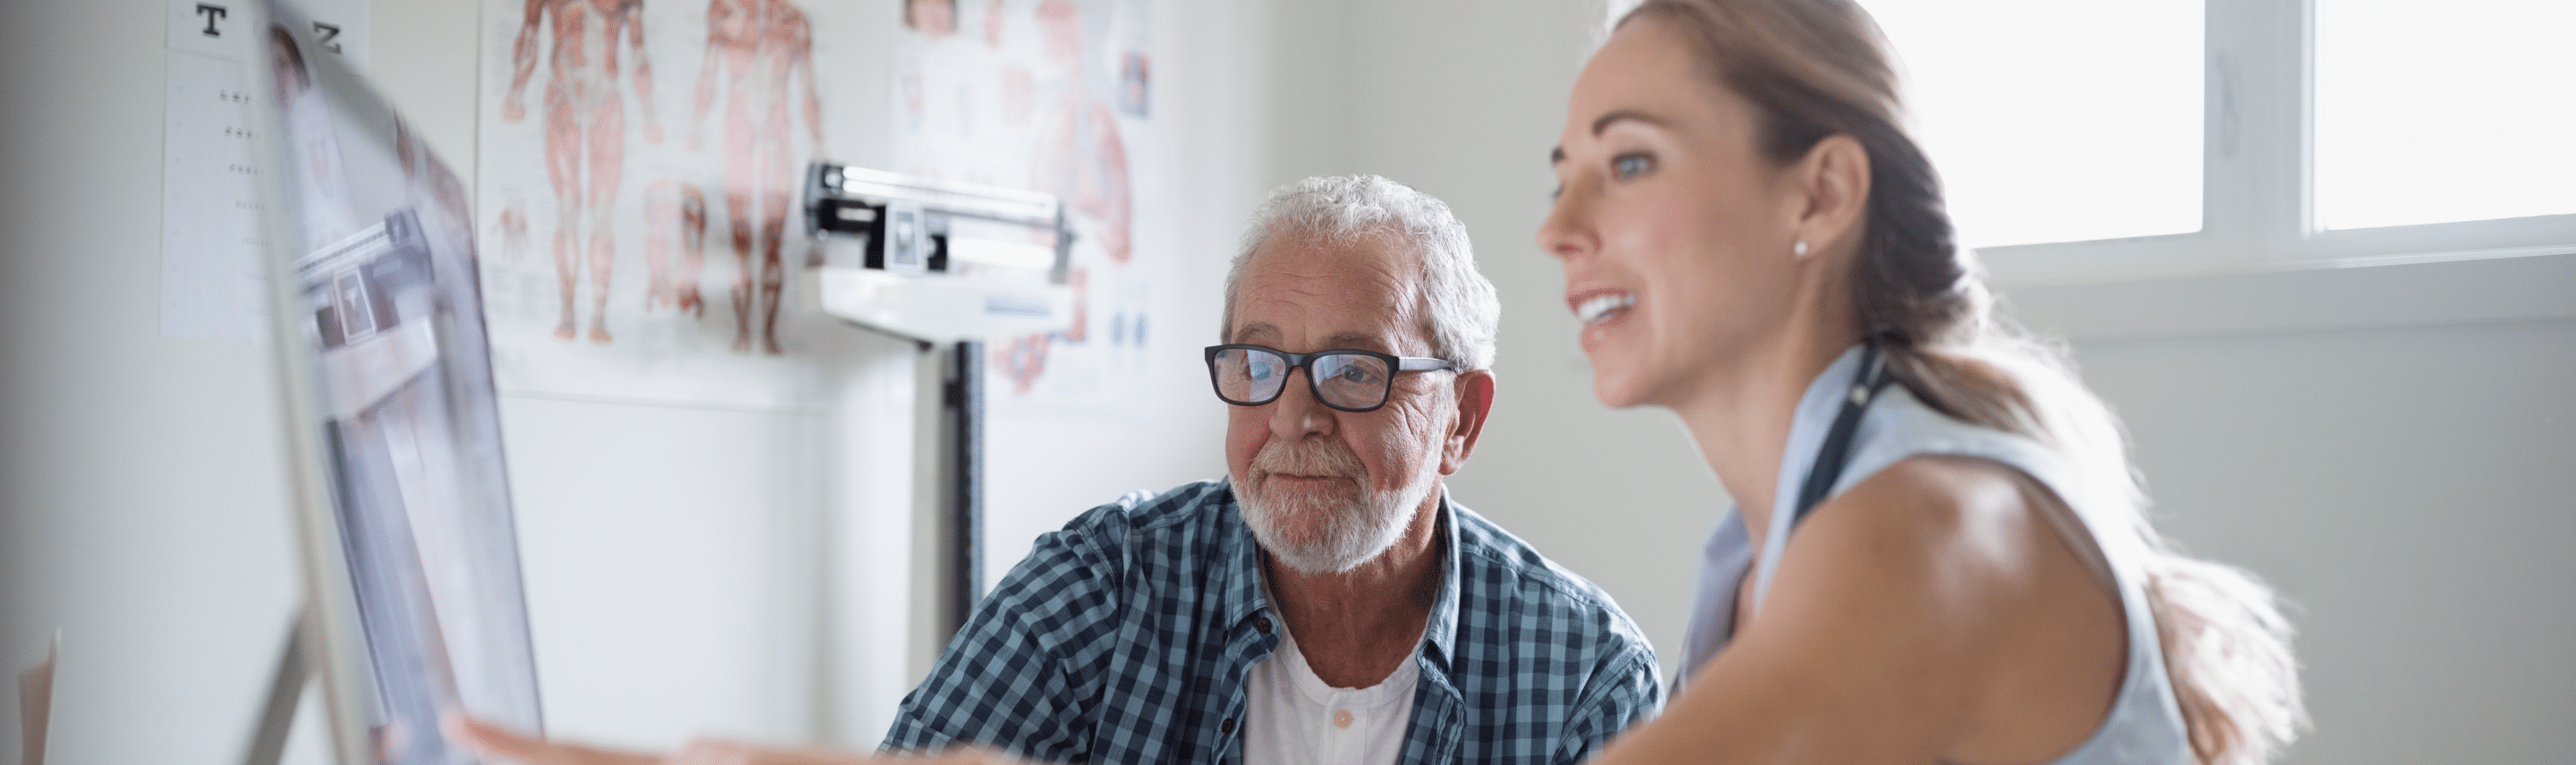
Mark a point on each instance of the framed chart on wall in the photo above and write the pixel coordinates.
(415, 609)
(639, 169)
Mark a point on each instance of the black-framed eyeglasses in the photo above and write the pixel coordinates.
(1348, 380)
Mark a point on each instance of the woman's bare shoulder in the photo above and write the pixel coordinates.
(1936, 499)
(1962, 557)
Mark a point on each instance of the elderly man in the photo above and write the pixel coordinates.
(1327, 602)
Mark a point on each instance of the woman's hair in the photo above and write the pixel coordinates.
(1818, 68)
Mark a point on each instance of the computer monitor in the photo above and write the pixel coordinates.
(416, 610)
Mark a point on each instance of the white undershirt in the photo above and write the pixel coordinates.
(1292, 718)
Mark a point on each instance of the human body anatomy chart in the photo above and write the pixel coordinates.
(641, 160)
(1053, 96)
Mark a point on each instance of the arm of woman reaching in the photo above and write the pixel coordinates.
(1931, 612)
(497, 743)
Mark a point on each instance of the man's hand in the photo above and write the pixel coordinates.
(502, 744)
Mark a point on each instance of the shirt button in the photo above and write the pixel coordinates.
(1261, 623)
(1341, 718)
(1226, 727)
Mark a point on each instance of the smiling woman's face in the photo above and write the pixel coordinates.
(1674, 231)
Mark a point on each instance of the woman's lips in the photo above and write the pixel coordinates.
(1600, 311)
(1600, 305)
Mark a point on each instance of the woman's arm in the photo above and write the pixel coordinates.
(1931, 612)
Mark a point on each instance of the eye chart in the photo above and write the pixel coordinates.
(211, 280)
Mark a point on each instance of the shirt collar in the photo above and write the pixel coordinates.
(1239, 595)
(1441, 632)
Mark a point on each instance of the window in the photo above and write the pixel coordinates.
(2055, 121)
(2101, 141)
(2433, 113)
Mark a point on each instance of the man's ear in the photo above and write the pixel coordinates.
(1475, 392)
(1833, 181)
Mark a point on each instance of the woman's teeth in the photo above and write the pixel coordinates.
(1592, 310)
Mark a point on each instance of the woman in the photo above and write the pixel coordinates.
(1938, 553)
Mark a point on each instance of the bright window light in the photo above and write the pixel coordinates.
(2056, 121)
(2436, 112)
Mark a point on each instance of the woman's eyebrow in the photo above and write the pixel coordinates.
(1556, 155)
(1607, 120)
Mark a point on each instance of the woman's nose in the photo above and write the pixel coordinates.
(1565, 233)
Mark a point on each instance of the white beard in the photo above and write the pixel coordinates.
(1352, 531)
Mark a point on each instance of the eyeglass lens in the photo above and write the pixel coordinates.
(1348, 380)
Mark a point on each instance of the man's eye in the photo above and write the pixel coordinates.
(1631, 165)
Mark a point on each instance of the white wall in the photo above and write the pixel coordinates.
(141, 509)
(2408, 490)
(2388, 446)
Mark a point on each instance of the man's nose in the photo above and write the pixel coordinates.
(1296, 413)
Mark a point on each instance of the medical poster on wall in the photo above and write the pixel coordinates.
(375, 236)
(642, 163)
(1052, 96)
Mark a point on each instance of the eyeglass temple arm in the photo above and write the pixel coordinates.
(1420, 364)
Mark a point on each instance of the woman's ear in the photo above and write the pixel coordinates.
(1833, 184)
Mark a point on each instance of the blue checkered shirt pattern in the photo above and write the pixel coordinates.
(1126, 638)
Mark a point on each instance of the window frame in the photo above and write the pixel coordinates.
(2258, 176)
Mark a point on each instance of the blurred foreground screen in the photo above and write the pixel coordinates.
(384, 332)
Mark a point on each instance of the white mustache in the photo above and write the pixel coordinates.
(1326, 460)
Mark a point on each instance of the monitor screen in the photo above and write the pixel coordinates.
(381, 328)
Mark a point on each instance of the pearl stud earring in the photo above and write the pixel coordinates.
(1800, 250)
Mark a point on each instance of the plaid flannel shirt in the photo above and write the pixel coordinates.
(1126, 638)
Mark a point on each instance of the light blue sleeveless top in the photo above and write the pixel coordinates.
(2145, 725)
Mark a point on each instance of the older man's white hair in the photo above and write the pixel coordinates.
(1457, 301)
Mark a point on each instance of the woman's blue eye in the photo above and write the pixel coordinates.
(1631, 165)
